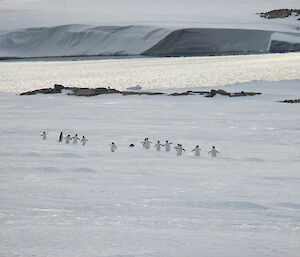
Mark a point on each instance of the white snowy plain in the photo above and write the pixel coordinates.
(150, 73)
(69, 200)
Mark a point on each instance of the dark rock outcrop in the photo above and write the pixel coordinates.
(141, 93)
(78, 91)
(213, 92)
(56, 90)
(279, 13)
(290, 101)
(94, 91)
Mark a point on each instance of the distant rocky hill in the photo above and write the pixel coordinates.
(280, 13)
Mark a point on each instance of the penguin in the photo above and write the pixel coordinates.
(113, 147)
(68, 139)
(146, 143)
(158, 146)
(213, 152)
(167, 146)
(61, 137)
(83, 140)
(197, 150)
(44, 135)
(75, 139)
(179, 149)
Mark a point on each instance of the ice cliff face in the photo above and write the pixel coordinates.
(83, 40)
(195, 42)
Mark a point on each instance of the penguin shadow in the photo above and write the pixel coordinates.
(66, 155)
(30, 154)
(82, 170)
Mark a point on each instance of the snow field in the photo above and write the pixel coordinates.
(150, 73)
(70, 200)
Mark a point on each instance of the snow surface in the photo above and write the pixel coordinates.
(79, 40)
(285, 38)
(149, 73)
(83, 40)
(199, 42)
(69, 200)
(16, 40)
(184, 14)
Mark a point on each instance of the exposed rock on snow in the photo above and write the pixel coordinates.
(141, 93)
(100, 91)
(93, 91)
(213, 92)
(280, 13)
(291, 101)
(56, 90)
(74, 91)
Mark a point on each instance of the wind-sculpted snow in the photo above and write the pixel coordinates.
(151, 73)
(83, 40)
(195, 42)
(66, 200)
(78, 40)
(211, 41)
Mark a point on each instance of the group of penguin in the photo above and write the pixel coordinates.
(179, 148)
(145, 143)
(68, 138)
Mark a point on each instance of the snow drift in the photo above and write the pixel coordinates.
(83, 40)
(79, 40)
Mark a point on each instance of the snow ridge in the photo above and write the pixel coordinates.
(85, 40)
(78, 40)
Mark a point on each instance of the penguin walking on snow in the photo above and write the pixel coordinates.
(213, 152)
(158, 146)
(179, 149)
(61, 137)
(146, 143)
(113, 147)
(68, 139)
(44, 135)
(197, 150)
(167, 146)
(83, 140)
(75, 139)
